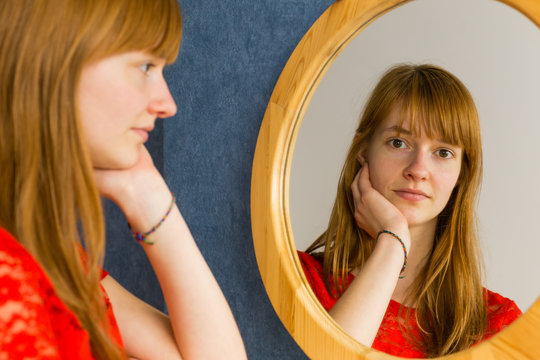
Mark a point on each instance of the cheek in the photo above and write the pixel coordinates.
(379, 174)
(447, 183)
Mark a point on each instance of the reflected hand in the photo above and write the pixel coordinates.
(373, 212)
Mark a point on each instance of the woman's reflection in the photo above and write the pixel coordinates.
(399, 266)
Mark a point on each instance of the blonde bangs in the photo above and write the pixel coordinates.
(441, 111)
(158, 29)
(145, 25)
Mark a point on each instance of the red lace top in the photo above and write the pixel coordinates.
(390, 339)
(34, 322)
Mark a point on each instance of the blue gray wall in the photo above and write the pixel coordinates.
(231, 56)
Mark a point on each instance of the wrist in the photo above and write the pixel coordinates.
(144, 209)
(389, 252)
(401, 231)
(389, 245)
(386, 234)
(143, 236)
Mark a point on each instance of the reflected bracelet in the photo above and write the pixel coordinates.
(402, 245)
(142, 237)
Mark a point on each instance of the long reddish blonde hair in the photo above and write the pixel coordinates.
(448, 294)
(48, 198)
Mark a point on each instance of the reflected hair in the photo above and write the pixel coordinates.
(448, 293)
(48, 197)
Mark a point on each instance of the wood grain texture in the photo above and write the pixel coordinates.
(296, 305)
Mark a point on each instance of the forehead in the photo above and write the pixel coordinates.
(398, 120)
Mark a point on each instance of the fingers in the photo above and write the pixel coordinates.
(364, 183)
(358, 198)
(361, 183)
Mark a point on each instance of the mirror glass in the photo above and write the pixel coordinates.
(495, 51)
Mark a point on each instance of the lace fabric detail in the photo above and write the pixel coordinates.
(392, 338)
(395, 331)
(34, 322)
(501, 313)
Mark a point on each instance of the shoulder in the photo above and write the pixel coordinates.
(501, 312)
(498, 304)
(309, 261)
(314, 273)
(17, 266)
(313, 269)
(30, 311)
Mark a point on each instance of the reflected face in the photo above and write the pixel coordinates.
(414, 172)
(119, 99)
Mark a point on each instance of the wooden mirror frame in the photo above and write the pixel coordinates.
(296, 305)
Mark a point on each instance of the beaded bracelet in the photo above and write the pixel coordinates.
(142, 237)
(404, 249)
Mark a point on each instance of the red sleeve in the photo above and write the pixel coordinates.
(31, 315)
(104, 274)
(501, 313)
(313, 270)
(34, 322)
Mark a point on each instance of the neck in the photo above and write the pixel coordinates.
(422, 239)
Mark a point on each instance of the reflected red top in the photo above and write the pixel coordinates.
(390, 339)
(34, 322)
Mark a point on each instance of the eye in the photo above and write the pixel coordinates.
(397, 143)
(445, 153)
(146, 67)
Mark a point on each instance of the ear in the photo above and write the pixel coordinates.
(361, 155)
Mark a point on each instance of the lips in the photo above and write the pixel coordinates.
(143, 132)
(411, 194)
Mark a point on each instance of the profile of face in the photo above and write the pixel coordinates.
(119, 99)
(416, 173)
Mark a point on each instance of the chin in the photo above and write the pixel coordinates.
(117, 162)
(413, 217)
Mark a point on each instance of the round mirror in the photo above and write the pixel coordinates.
(297, 307)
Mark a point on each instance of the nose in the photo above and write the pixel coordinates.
(162, 104)
(418, 167)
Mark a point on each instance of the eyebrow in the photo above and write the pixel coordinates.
(397, 129)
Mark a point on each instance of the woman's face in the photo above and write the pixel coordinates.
(414, 172)
(119, 99)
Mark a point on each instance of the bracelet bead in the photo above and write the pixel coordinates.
(142, 237)
(404, 249)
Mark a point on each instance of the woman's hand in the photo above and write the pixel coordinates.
(140, 191)
(362, 306)
(201, 325)
(114, 184)
(373, 212)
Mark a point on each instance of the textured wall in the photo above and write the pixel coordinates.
(231, 56)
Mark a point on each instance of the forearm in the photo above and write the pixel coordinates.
(203, 324)
(362, 306)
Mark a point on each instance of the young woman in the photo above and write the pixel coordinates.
(400, 267)
(81, 86)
